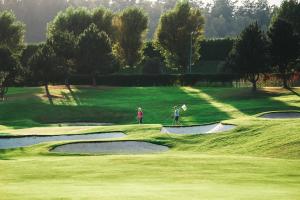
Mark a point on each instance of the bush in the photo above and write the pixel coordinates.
(152, 65)
(156, 80)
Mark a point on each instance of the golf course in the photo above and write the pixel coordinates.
(258, 158)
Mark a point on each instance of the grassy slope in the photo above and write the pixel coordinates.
(258, 160)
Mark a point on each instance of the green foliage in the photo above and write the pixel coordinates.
(44, 64)
(8, 69)
(131, 24)
(64, 45)
(153, 60)
(27, 53)
(290, 12)
(152, 77)
(103, 19)
(176, 29)
(76, 20)
(95, 52)
(72, 20)
(11, 31)
(284, 48)
(216, 49)
(249, 54)
(152, 65)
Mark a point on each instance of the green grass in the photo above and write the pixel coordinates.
(260, 159)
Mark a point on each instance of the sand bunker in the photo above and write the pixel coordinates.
(204, 129)
(117, 147)
(281, 115)
(14, 142)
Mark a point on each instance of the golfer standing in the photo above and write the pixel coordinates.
(140, 116)
(176, 115)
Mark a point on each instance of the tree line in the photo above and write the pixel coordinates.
(99, 42)
(224, 17)
(276, 51)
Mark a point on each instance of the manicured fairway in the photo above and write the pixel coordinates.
(260, 159)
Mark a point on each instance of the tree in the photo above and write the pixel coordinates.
(153, 60)
(11, 31)
(44, 65)
(72, 20)
(103, 19)
(219, 21)
(249, 55)
(27, 53)
(284, 49)
(64, 47)
(290, 12)
(95, 52)
(8, 70)
(176, 29)
(131, 24)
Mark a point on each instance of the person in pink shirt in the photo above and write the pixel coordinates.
(140, 116)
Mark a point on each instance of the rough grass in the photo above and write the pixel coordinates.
(260, 159)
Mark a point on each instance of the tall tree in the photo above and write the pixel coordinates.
(72, 20)
(290, 12)
(95, 52)
(220, 19)
(8, 69)
(178, 28)
(249, 57)
(131, 24)
(284, 48)
(11, 31)
(103, 19)
(45, 66)
(64, 47)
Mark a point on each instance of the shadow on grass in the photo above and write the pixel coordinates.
(74, 95)
(294, 92)
(250, 103)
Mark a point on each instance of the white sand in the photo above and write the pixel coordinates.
(281, 115)
(117, 147)
(204, 129)
(14, 142)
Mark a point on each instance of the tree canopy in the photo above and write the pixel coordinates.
(284, 48)
(131, 24)
(11, 31)
(249, 55)
(95, 52)
(175, 31)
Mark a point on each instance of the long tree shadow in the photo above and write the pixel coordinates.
(294, 92)
(74, 95)
(249, 103)
(115, 105)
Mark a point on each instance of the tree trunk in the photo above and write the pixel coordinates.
(285, 81)
(253, 78)
(254, 86)
(67, 81)
(284, 77)
(3, 91)
(48, 93)
(94, 81)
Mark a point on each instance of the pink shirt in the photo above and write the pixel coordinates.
(140, 114)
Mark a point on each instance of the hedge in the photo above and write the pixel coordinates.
(154, 80)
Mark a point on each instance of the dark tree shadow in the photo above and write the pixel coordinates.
(248, 102)
(74, 95)
(293, 91)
